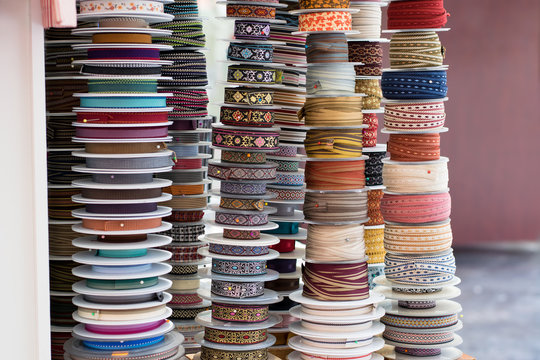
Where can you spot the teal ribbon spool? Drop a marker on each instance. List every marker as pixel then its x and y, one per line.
pixel 130 253
pixel 122 86
pixel 123 102
pixel 284 228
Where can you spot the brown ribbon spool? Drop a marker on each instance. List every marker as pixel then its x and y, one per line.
pixel 121 38
pixel 127 148
pixel 121 225
pixel 127 194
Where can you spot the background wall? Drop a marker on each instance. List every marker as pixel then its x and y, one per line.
pixel 494 139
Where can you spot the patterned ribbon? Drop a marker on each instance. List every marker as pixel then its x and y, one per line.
pixel 246 96
pixel 244 29
pixel 417 352
pixel 421 178
pixel 372 89
pixel 186 33
pixel 241 234
pixel 120 69
pixel 330 207
pixel 330 79
pixel 185 216
pixel 213 354
pixel 239 313
pixel 375 251
pixel 243 189
pixel 414 147
pixel 420 269
pixel 187 8
pixel 414 84
pixel 370 54
pixel 428 304
pixel 418 339
pixel 246 117
pixel 187 103
pixel 245 139
pixel 251 11
pixel 187 314
pixel 181 202
pixel 284 165
pixel 241 204
pixel 325 21
pixel 289 179
pixel 342 143
pixel 238 250
pixel 178 190
pixel 332 111
pixel 415 209
pixel 243 157
pixel 237 290
pixel 245 337
pixel 417 239
pixel 374 208
pixel 238 267
pixel 254 75
pixel 374 169
pixel 188 69
pixel 185 299
pixel 250 52
pixel 414 322
pixel 287 194
pixel 369 134
pixel 335 282
pixel 342 175
pixel 367 21
pixel 287 151
pixel 241 219
pixel 335 242
pixel 322 4
pixel 327 48
pixel 414 116
pixel 241 173
pixel 112 6
pixel 184 253
pixel 417 14
pixel 184 269
pixel 415 50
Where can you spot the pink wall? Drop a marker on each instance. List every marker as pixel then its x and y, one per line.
pixel 493 143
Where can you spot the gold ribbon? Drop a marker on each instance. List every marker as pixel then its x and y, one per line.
pixel 121 38
pixel 241 204
pixel 235 337
pixel 340 143
pixel 332 111
pixel 372 89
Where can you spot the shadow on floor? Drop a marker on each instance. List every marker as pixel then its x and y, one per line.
pixel 500 295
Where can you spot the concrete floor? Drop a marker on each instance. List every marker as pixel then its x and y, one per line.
pixel 501 303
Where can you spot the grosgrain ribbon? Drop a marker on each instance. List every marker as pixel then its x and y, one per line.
pixel 123 102
pixel 328 207
pixel 417 14
pixel 124 148
pixel 121 225
pixel 158 131
pixel 332 282
pixel 122 86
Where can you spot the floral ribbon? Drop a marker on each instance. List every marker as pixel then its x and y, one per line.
pixel 244 96
pixel 245 139
pixel 241 173
pixel 241 219
pixel 246 117
pixel 241 313
pixel 325 21
pixel 245 29
pixel 254 75
pixel 241 204
pixel 251 11
pixel 238 267
pixel 243 157
pixel 250 52
pixel 237 290
pixel 235 337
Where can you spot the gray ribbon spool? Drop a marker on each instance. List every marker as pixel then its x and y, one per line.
pixel 186 138
pixel 134 163
pixel 183 177
pixel 122 178
pixel 284 209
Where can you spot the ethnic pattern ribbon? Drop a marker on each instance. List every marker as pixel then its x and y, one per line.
pixel 243 189
pixel 414 322
pixel 335 282
pixel 244 29
pixel 241 204
pixel 185 216
pixel 417 352
pixel 244 96
pixel 342 143
pixel 241 234
pixel 237 290
pixel 414 116
pixel 416 209
pixel 240 313
pixel 374 168
pixel 417 14
pixel 238 267
pixel 243 157
pixel 185 299
pixel 420 269
pixel 374 208
pixel 184 253
pixel 245 139
pixel 417 239
pixel 238 250
pixel 235 337
pixel 246 117
pixel 288 166
pixel 370 54
pixel 373 239
pixel 287 194
pixel 414 84
pixel 216 354
pixel 184 269
pixel 241 219
pixel 325 21
pixel 289 179
pixel 250 52
pixel 241 173
pixel 251 11
pixel 188 233
pixel 369 134
pixel 323 4
pixel 254 75
pixel 186 314
pixel 418 339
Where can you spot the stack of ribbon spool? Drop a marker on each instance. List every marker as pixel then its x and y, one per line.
pixel 190 124
pixel 338 313
pixel 61 81
pixel 289 195
pixel 122 122
pixel 237 325
pixel 419 279
pixel 289 50
pixel 365 47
